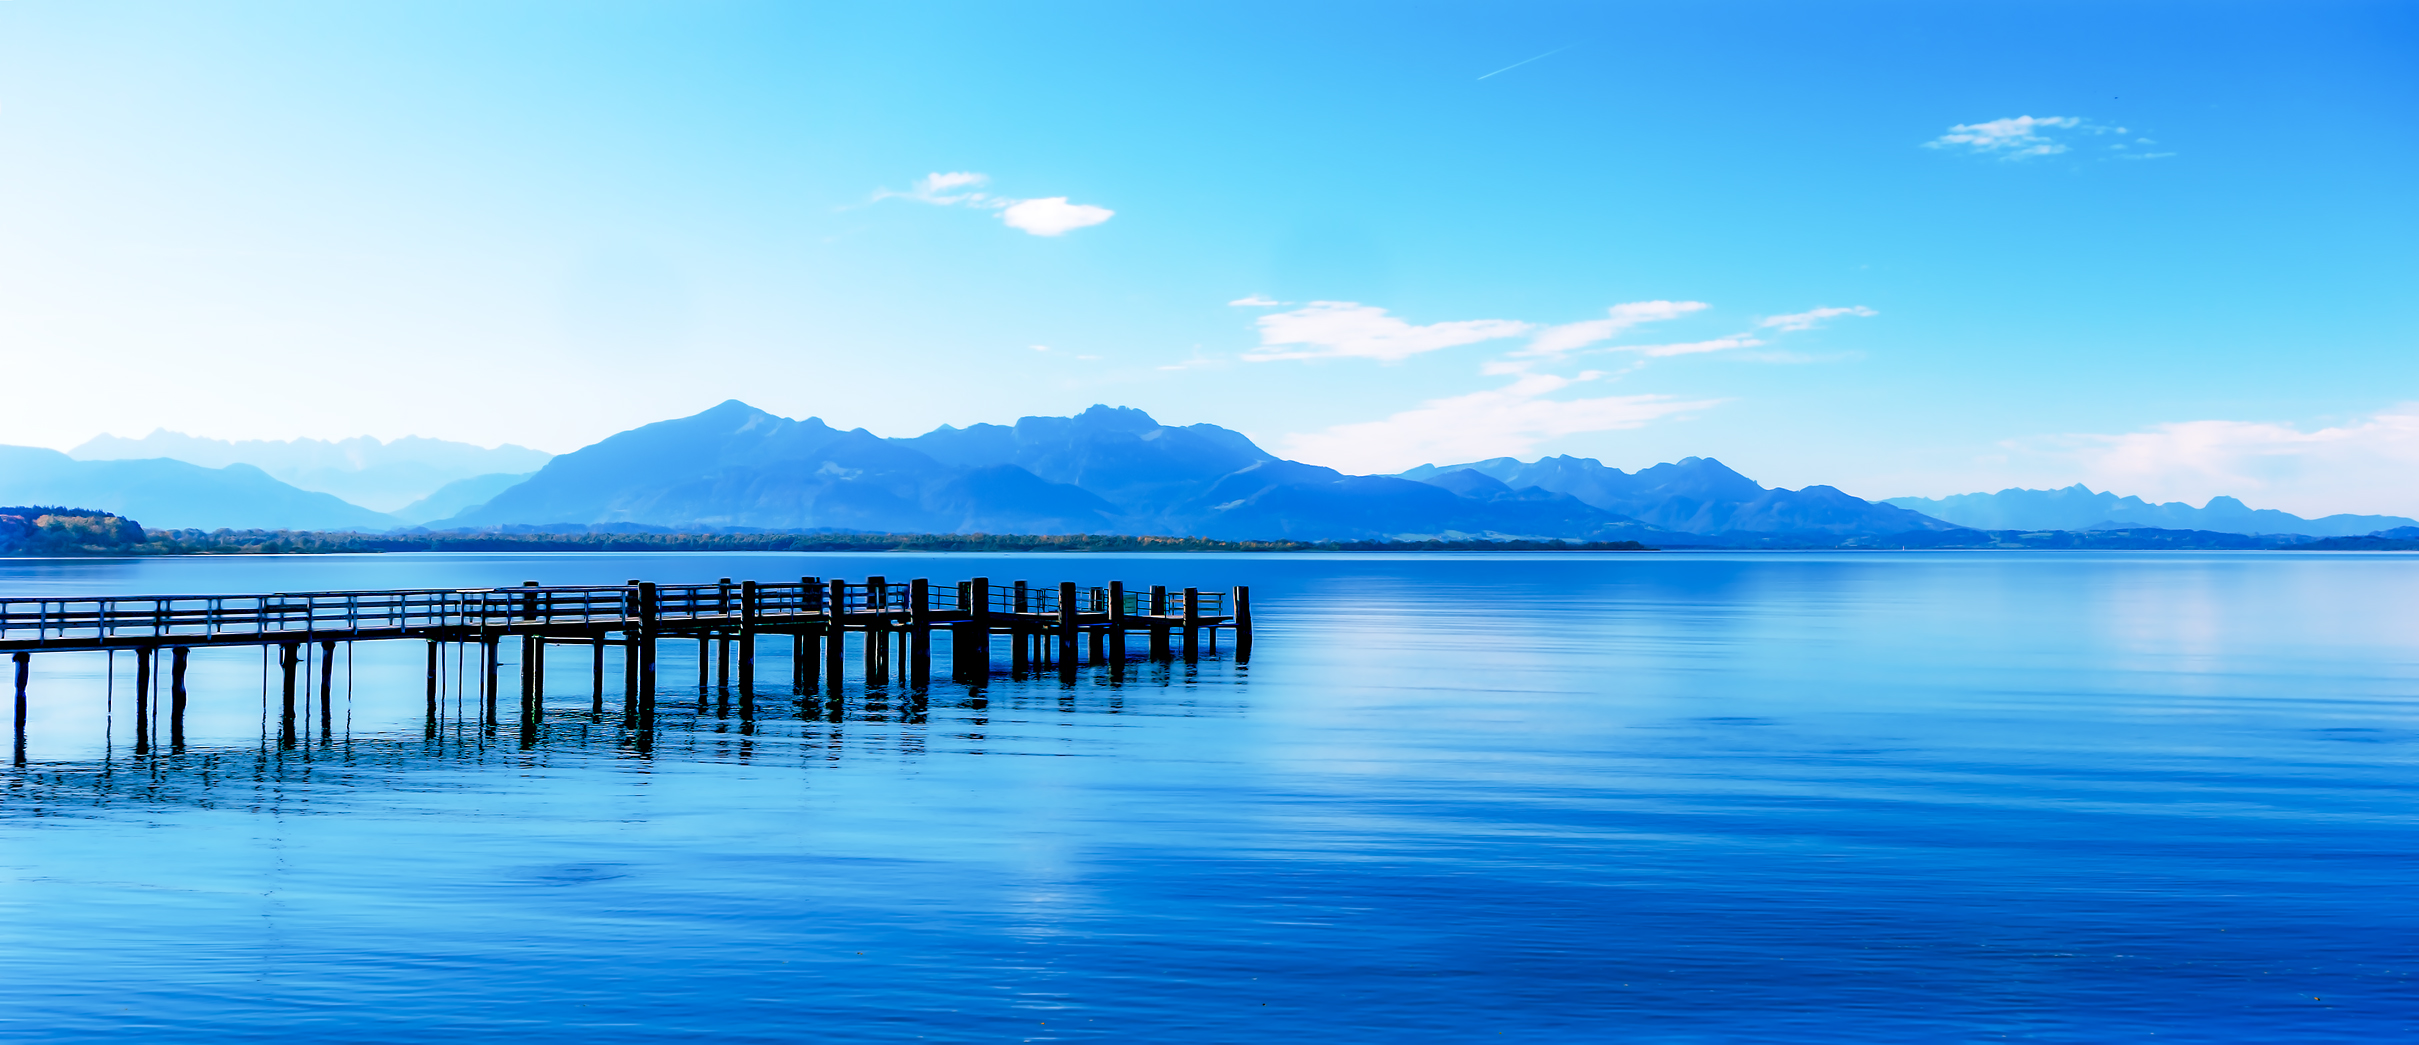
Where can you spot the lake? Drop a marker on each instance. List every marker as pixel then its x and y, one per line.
pixel 1672 797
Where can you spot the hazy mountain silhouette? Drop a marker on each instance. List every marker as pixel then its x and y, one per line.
pixel 165 494
pixel 2078 508
pixel 460 495
pixel 385 476
pixel 1696 495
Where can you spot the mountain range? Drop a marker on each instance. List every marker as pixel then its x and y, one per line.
pixel 2078 508
pixel 735 468
pixel 161 493
pixel 1108 469
pixel 382 476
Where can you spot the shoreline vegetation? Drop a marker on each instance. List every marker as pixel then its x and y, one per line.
pixel 52 532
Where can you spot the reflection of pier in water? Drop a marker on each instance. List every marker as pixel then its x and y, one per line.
pixel 1005 714
pixel 897 624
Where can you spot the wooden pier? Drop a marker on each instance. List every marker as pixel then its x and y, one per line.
pixel 1061 628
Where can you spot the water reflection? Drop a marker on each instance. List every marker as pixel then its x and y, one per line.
pixel 1036 713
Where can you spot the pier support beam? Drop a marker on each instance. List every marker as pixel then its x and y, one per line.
pixel 1192 622
pixel 288 655
pixel 835 635
pixel 1068 647
pixel 919 633
pixel 176 698
pixel 432 687
pixel 327 689
pixel 1100 635
pixel 142 701
pixel 24 663
pixel 1117 625
pixel 596 695
pixel 749 611
pixel 970 648
pixel 1242 614
pixel 644 719
pixel 1159 623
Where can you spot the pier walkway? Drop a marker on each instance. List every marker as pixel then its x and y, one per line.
pixel 1061 627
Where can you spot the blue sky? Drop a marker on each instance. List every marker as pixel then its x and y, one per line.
pixel 1819 242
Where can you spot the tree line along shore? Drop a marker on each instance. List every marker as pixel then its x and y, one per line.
pixel 57 531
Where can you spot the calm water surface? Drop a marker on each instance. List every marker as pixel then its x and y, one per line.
pixel 1865 797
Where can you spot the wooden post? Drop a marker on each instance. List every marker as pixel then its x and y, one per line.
pixel 1192 621
pixel 1117 625
pixel 1159 623
pixel 176 698
pixel 432 687
pixel 919 632
pixel 877 631
pixel 327 689
pixel 722 635
pixel 1021 658
pixel 288 655
pixel 1069 651
pixel 748 614
pixel 596 698
pixel 835 635
pixel 1242 612
pixel 491 661
pixel 705 662
pixel 970 655
pixel 142 701
pixel 810 600
pixel 1100 635
pixel 645 641
pixel 529 665
pixel 24 664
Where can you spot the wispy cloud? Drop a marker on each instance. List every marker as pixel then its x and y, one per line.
pixel 2029 137
pixel 1257 301
pixel 1508 421
pixel 1570 337
pixel 1516 417
pixel 1349 329
pixel 1811 318
pixel 2009 137
pixel 1042 216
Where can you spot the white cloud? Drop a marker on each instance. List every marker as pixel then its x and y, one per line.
pixel 1053 216
pixel 1811 318
pixel 2364 466
pixel 1349 329
pixel 1557 340
pixel 1508 421
pixel 2009 138
pixel 938 188
pixel 2025 137
pixel 1257 301
pixel 1690 348
pixel 1045 216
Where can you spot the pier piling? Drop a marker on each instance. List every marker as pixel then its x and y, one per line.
pixel 142 701
pixel 176 697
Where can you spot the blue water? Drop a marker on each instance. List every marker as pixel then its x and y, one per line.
pixel 1759 797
